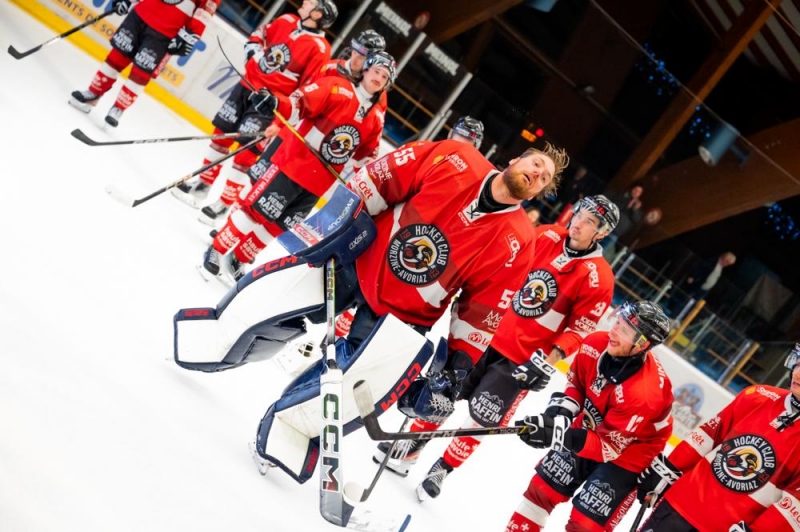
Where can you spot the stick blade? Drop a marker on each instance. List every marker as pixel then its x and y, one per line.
pixel 83 137
pixel 16 54
pixel 369 521
pixel 120 196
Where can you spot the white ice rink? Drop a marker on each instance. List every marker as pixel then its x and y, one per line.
pixel 99 429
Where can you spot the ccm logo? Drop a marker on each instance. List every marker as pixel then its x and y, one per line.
pixel 401 387
pixel 273 265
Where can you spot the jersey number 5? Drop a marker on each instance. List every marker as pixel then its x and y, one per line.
pixel 403 156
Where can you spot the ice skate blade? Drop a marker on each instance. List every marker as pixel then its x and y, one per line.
pixel 81 106
pixel 187 199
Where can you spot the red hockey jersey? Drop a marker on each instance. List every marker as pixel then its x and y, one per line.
pixel 292 54
pixel 334 122
pixel 559 303
pixel 741 466
pixel 167 18
pixel 628 423
pixel 432 241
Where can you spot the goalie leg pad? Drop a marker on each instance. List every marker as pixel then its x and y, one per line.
pixel 389 359
pixel 253 321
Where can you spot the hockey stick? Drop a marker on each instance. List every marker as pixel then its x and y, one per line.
pixel 83 137
pixel 16 54
pixel 366 407
pixel 125 199
pixel 285 122
pixel 355 491
pixel 649 501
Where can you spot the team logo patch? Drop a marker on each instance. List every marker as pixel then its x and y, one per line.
pixel 339 144
pixel 744 464
pixel 537 295
pixel 276 59
pixel 418 254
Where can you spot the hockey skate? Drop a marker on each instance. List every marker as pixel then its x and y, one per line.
pixel 84 100
pixel 211 214
pixel 191 194
pixel 431 485
pixel 209 269
pixel 404 455
pixel 113 116
pixel 231 269
pixel 262 464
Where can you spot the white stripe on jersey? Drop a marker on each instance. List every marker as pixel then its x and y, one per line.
pixel 789 510
pixel 462 330
pixel 315 137
pixel 551 320
pixel 187 7
pixel 767 495
pixel 700 442
pixel 433 294
pixel 365 188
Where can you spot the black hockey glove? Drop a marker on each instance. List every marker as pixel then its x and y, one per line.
pixel 544 431
pixel 741 526
pixel 656 479
pixel 431 398
pixel 251 49
pixel 534 374
pixel 183 43
pixel 561 404
pixel 264 102
pixel 121 7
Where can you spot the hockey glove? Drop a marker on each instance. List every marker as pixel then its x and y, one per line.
pixel 657 478
pixel 431 398
pixel 264 102
pixel 534 374
pixel 741 526
pixel 183 43
pixel 544 431
pixel 561 404
pixel 121 7
pixel 251 49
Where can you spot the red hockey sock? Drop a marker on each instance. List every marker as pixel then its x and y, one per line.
pixel 216 149
pixel 459 450
pixel 247 250
pixel 236 180
pixel 228 237
pixel 103 79
pixel 520 522
pixel 128 94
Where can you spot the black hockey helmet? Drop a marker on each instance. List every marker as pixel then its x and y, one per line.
pixel 470 128
pixel 648 319
pixel 602 207
pixel 367 42
pixel 329 13
pixel 385 60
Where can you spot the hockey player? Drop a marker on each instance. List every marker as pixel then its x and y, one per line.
pixel 438 209
pixel 280 54
pixel 739 468
pixel 618 401
pixel 152 30
pixel 365 43
pixel 338 117
pixel 468 128
pixel 567 290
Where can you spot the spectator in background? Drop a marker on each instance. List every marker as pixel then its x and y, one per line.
pixel 703 276
pixel 630 217
pixel 575 188
pixel 534 215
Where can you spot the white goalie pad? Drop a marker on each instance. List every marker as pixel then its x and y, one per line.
pixel 389 359
pixel 246 324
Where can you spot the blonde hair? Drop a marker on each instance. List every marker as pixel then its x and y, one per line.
pixel 560 162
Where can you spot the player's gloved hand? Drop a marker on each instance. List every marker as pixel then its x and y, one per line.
pixel 544 431
pixel 251 49
pixel 656 479
pixel 561 404
pixel 183 43
pixel 534 374
pixel 431 398
pixel 264 102
pixel 121 7
pixel 741 526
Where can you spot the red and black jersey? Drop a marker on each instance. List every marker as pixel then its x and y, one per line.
pixel 168 18
pixel 335 121
pixel 628 423
pixel 292 53
pixel 432 241
pixel 560 302
pixel 739 466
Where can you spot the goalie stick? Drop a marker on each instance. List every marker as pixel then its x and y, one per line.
pixel 125 199
pixel 83 137
pixel 366 407
pixel 16 54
